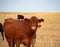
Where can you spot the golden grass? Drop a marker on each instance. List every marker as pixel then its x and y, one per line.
pixel 49 33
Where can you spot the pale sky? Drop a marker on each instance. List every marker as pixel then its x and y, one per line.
pixel 29 5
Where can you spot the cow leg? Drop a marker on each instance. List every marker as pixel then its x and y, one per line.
pixel 28 45
pixel 2 35
pixel 17 43
pixel 10 42
pixel 33 43
pixel 13 44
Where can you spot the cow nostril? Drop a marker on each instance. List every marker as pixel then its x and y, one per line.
pixel 33 28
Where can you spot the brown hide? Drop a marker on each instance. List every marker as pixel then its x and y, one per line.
pixel 20 32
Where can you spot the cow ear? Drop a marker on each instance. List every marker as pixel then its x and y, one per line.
pixel 39 26
pixel 40 20
pixel 26 19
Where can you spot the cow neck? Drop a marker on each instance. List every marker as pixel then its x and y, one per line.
pixel 31 33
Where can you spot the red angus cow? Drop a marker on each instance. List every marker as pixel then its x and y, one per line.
pixel 21 32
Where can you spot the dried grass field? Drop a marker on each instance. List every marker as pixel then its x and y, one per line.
pixel 49 33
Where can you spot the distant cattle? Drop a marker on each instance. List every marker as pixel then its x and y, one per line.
pixel 1 30
pixel 21 32
pixel 20 17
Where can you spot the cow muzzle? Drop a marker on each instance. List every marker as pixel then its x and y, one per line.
pixel 33 28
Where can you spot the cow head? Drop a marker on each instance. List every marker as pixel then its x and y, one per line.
pixel 33 22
